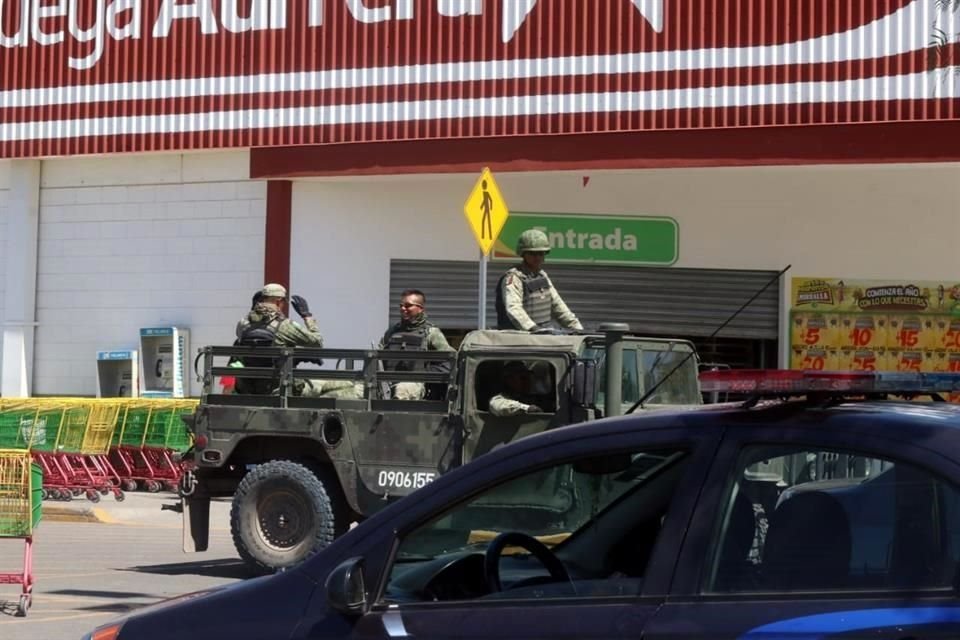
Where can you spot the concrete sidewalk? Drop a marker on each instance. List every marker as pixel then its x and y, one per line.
pixel 138 509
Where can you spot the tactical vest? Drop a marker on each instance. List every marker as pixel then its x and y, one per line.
pixel 407 340
pixel 536 300
pixel 261 334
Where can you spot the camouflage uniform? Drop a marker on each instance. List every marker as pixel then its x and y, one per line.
pixel 345 389
pixel 419 334
pixel 504 405
pixel 287 332
pixel 527 300
pixel 264 321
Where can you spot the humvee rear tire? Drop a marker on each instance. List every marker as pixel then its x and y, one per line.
pixel 280 515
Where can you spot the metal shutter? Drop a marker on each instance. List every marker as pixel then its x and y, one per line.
pixel 654 301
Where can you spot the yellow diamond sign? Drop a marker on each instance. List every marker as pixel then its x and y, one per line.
pixel 486 211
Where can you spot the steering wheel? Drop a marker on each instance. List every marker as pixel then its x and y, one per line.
pixel 491 559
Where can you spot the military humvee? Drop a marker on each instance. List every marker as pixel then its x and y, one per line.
pixel 302 469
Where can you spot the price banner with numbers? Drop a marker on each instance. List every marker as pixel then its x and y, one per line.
pixel 874 325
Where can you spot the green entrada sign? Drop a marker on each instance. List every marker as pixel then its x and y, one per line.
pixel 620 240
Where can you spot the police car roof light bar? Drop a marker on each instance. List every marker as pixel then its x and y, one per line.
pixel 779 382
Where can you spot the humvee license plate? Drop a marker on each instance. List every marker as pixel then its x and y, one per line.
pixel 398 479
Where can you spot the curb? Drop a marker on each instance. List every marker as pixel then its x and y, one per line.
pixel 58 513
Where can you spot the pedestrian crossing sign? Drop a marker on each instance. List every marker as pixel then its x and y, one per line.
pixel 486 211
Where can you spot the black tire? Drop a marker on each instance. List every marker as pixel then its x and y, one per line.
pixel 271 497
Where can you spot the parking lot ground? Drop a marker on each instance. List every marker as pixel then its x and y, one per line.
pixel 90 570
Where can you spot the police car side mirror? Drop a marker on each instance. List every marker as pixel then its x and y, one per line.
pixel 346 591
pixel 583 390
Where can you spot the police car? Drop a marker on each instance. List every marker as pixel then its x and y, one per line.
pixel 818 506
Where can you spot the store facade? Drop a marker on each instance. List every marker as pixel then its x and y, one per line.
pixel 165 158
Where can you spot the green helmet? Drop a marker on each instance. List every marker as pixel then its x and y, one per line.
pixel 533 240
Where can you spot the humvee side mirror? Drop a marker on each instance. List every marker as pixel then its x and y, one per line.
pixel 346 590
pixel 583 392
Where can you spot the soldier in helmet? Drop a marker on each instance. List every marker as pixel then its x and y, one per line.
pixel 267 326
pixel 413 331
pixel 526 298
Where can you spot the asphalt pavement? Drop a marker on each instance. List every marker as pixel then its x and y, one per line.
pixel 95 562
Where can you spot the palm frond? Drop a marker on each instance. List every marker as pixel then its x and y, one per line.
pixel 948 5
pixel 937 46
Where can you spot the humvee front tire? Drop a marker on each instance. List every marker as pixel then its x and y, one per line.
pixel 281 513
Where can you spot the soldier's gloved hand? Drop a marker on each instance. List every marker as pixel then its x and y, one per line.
pixel 300 305
pixel 532 408
pixel 543 331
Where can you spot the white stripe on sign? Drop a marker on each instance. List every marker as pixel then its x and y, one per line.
pixel 916 86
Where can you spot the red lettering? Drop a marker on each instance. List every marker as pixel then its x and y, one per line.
pixel 861 337
pixel 908 337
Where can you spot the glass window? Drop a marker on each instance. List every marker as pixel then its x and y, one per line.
pixel 531 381
pixel 681 387
pixel 629 375
pixel 583 528
pixel 652 361
pixel 805 519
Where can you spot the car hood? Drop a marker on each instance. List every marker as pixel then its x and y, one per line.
pixel 260 607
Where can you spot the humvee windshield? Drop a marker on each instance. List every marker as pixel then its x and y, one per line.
pixel 645 365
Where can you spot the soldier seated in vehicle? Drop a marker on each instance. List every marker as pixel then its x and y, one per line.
pixel 414 332
pixel 266 325
pixel 521 393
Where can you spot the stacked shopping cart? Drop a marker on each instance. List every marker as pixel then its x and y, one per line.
pixel 70 440
pixel 21 482
pixel 96 447
pixel 149 435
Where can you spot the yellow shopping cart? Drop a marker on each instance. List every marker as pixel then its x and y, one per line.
pixel 21 498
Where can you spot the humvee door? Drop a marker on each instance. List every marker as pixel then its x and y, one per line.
pixel 483 378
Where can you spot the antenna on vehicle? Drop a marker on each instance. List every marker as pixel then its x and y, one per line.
pixel 653 389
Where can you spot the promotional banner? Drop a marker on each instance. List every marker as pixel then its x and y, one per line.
pixel 875 325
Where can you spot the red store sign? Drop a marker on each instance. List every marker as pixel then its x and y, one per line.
pixel 95 76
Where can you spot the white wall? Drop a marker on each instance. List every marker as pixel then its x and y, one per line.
pixel 887 221
pixel 4 192
pixel 345 233
pixel 136 241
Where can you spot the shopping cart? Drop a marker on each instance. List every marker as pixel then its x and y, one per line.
pixel 150 432
pixel 34 424
pixel 21 486
pixel 88 427
pixel 69 438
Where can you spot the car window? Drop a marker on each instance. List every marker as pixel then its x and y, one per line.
pixel 629 375
pixel 539 382
pixel 681 386
pixel 647 366
pixel 808 519
pixel 597 520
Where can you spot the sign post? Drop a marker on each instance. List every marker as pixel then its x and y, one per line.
pixel 486 213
